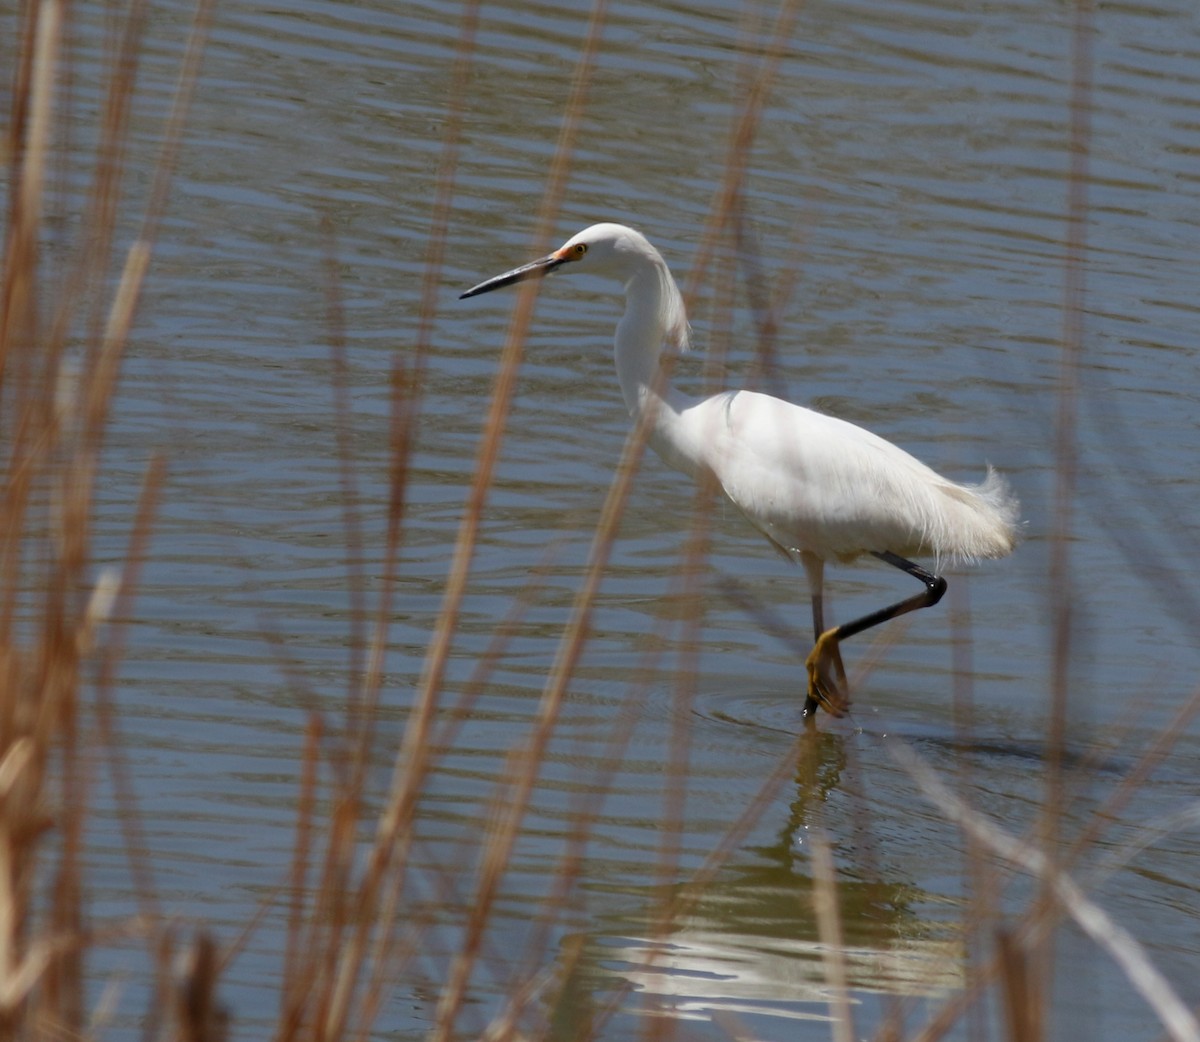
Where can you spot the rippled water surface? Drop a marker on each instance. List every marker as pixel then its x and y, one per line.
pixel 904 207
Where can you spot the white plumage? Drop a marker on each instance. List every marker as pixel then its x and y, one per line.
pixel 819 488
pixel 813 483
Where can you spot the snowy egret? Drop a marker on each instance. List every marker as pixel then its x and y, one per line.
pixel 820 489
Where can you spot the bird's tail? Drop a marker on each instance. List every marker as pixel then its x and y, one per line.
pixel 986 524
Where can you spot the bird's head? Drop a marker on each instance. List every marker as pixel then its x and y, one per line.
pixel 617 252
pixel 602 249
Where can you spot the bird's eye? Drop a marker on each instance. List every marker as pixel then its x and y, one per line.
pixel 580 249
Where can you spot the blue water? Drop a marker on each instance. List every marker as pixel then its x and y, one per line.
pixel 904 203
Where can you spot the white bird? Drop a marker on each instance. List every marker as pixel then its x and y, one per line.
pixel 820 489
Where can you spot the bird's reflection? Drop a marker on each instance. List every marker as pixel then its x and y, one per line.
pixel 746 940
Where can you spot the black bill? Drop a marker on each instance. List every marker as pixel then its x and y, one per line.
pixel 535 269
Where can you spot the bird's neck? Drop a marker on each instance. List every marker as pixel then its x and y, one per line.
pixel 652 306
pixel 654 315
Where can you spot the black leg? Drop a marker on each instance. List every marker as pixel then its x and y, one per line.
pixel 935 586
pixel 826 653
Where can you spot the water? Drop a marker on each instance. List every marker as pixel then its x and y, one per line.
pixel 910 173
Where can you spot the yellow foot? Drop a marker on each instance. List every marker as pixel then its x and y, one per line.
pixel 826 677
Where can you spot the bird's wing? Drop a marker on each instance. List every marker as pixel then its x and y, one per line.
pixel 815 483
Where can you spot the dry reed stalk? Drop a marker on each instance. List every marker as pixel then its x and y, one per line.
pixel 981 912
pixel 693 557
pixel 199 1013
pixel 344 915
pixel 524 768
pixel 332 997
pixel 1177 1019
pixel 56 623
pixel 524 765
pixel 320 923
pixel 1129 786
pixel 109 655
pixel 377 896
pixel 690 891
pixel 586 810
pixel 829 931
pixel 395 954
pixel 32 130
pixel 725 213
pixel 38 956
pixel 1061 584
pixel 1038 921
pixel 363 688
pixel 1026 1001
pixel 298 977
pixel 743 129
pixel 1023 962
pixel 1023 1001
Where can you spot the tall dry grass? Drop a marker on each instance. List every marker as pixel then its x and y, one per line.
pixel 353 930
pixel 65 320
